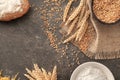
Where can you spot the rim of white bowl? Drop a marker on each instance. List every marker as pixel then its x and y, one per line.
pixel 105 69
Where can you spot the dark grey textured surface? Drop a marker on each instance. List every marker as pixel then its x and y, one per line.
pixel 23 42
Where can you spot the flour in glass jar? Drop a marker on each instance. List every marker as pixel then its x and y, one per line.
pixel 91 73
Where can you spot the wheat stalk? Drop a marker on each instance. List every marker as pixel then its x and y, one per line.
pixel 75 13
pixel 77 21
pixel 8 77
pixel 41 74
pixel 67 10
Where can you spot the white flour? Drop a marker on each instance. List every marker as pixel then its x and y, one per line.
pixel 9 6
pixel 91 73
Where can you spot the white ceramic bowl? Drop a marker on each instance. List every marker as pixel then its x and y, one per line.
pixel 107 72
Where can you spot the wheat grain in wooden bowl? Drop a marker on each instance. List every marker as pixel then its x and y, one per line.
pixel 107 11
pixel 12 9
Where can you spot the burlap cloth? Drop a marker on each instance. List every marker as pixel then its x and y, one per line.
pixel 101 41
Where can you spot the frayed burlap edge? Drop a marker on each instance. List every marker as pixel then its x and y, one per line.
pixel 103 55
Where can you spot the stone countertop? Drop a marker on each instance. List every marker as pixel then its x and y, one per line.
pixel 23 42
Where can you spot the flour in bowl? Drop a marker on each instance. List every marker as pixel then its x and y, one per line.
pixel 91 73
pixel 9 6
